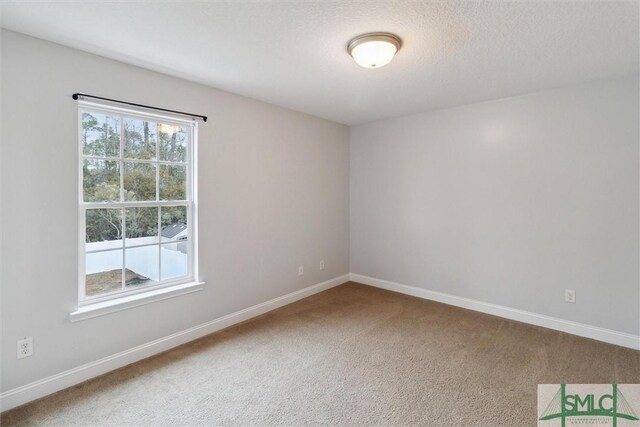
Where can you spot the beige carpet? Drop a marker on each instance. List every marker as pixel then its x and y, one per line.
pixel 353 355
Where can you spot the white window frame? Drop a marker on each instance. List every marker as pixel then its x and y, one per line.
pixel 190 202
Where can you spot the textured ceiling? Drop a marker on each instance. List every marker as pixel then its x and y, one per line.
pixel 293 53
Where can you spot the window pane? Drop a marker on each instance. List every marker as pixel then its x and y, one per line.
pixel 173 259
pixel 139 139
pixel 174 223
pixel 134 159
pixel 103 229
pixel 142 266
pixel 100 135
pixel 139 181
pixel 103 272
pixel 173 182
pixel 142 226
pixel 101 180
pixel 173 142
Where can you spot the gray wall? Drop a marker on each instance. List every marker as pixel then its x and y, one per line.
pixel 507 202
pixel 274 194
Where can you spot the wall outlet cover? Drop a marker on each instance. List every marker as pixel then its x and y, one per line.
pixel 25 347
pixel 570 296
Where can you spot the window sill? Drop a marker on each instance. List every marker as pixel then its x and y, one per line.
pixel 118 304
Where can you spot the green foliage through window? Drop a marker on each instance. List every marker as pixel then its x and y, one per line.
pixel 134 178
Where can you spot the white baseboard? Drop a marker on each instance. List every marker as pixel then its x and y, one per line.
pixel 580 329
pixel 37 389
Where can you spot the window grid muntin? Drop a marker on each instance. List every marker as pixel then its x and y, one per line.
pixel 126 159
pixel 188 202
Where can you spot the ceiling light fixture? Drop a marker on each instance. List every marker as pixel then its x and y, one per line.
pixel 374 50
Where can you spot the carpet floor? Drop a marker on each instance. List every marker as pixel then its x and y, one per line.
pixel 352 355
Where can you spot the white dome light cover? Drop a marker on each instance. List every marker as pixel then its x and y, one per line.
pixel 374 50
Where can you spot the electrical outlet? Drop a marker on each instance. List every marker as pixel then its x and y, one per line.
pixel 570 296
pixel 300 271
pixel 25 347
pixel 322 264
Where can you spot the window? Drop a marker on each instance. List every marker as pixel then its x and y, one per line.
pixel 136 209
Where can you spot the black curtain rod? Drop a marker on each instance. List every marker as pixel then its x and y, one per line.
pixel 84 95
